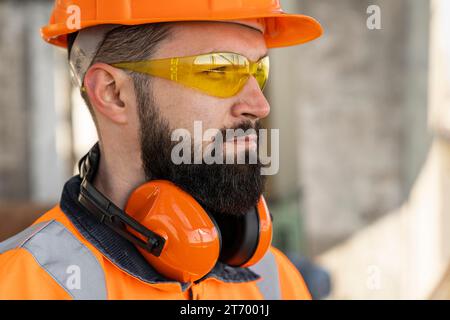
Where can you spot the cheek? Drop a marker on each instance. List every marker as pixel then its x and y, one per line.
pixel 131 132
pixel 182 106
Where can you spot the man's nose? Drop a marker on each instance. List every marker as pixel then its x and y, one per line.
pixel 251 102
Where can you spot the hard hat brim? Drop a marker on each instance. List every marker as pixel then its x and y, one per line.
pixel 282 29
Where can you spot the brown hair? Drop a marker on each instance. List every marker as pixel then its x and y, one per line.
pixel 129 43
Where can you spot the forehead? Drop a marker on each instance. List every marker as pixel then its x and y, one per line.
pixel 192 38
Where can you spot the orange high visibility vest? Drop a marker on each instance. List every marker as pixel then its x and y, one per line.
pixel 65 255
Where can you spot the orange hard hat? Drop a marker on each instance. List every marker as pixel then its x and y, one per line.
pixel 281 29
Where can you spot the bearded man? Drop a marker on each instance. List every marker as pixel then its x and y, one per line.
pixel 137 223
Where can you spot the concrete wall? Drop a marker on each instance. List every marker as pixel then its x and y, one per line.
pixel 35 141
pixel 355 104
pixel 14 147
pixel 406 254
pixel 35 138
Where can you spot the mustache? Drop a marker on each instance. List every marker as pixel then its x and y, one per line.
pixel 239 130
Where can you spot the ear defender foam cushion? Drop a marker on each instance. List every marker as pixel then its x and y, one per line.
pixel 193 242
pixel 240 234
pixel 246 238
pixel 265 233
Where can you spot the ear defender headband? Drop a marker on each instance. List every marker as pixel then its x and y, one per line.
pixel 179 238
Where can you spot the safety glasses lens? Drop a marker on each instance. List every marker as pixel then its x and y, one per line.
pixel 221 74
pixel 217 74
pixel 262 72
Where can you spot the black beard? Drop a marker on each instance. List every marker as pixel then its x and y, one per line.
pixel 230 189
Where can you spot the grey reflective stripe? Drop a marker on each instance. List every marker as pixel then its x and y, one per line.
pixel 267 268
pixel 19 239
pixel 67 261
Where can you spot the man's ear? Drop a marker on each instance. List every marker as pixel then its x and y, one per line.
pixel 106 88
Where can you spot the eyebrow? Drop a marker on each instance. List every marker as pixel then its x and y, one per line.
pixel 263 56
pixel 224 51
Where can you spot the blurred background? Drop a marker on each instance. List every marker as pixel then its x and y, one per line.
pixel 361 203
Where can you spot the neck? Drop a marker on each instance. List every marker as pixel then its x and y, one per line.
pixel 118 175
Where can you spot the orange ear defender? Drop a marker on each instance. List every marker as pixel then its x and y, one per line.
pixel 179 238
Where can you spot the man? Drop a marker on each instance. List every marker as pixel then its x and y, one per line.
pixel 147 69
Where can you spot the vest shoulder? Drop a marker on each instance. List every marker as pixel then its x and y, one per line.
pixel 54 218
pixel 21 275
pixel 21 239
pixel 57 252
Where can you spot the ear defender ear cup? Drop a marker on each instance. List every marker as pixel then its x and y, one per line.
pixel 245 238
pixel 193 241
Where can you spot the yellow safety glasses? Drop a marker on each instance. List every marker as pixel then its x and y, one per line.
pixel 221 75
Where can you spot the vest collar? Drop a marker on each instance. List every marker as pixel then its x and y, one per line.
pixel 123 253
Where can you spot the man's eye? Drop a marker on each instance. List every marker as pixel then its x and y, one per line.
pixel 216 70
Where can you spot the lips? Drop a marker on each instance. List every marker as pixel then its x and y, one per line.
pixel 246 142
pixel 243 138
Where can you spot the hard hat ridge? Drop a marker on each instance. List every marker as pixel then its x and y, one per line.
pixel 281 30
